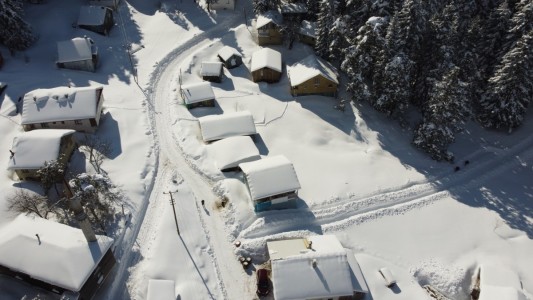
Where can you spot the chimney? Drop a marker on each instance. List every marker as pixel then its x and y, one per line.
pixel 80 215
pixel 314 263
pixel 310 245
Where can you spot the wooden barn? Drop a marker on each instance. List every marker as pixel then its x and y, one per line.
pixel 230 57
pixel 63 108
pixel 266 65
pixel 228 153
pixel 268 27
pixel 211 71
pixel 30 150
pixel 313 76
pixel 77 54
pixel 307 33
pixel 198 95
pixel 97 19
pixel 55 258
pixel 217 127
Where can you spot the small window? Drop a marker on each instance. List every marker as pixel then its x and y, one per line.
pixel 330 85
pixel 317 81
pixel 45 125
pixel 78 122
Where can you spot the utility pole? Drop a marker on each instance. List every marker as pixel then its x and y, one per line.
pixel 172 202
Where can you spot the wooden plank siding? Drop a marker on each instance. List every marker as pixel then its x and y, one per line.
pixel 269 35
pixel 318 85
pixel 266 74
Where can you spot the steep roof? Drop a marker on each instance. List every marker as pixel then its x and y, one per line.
pixel 197 92
pixel 215 127
pixel 270 176
pixel 92 15
pixel 226 52
pixel 75 49
pixel 232 151
pixel 498 282
pixel 210 68
pixel 270 16
pixel 35 147
pixel 63 257
pixel 308 28
pixel 60 104
pixel 310 67
pixel 266 58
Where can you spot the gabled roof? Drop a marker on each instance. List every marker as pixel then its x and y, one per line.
pixel 270 16
pixel 266 58
pixel 293 7
pixel 63 257
pixel 310 67
pixel 33 148
pixel 295 277
pixel 197 92
pixel 270 176
pixel 92 15
pixel 216 127
pixel 226 52
pixel 210 68
pixel 308 28
pixel 232 151
pixel 74 50
pixel 60 104
pixel 498 282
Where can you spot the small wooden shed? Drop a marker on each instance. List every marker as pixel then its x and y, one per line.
pixel 268 27
pixel 77 54
pixel 307 33
pixel 97 19
pixel 230 57
pixel 313 76
pixel 211 71
pixel 266 65
pixel 198 95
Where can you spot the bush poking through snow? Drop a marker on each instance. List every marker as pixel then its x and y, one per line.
pixel 30 204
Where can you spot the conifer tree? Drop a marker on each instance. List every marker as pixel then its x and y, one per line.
pixel 324 23
pixel 15 33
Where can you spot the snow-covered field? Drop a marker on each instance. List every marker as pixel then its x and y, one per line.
pixel 361 178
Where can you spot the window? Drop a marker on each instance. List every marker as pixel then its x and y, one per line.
pixel 78 122
pixel 45 125
pixel 317 82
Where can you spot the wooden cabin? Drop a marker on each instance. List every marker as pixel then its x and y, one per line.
pixel 198 95
pixel 77 54
pixel 266 65
pixel 97 19
pixel 313 76
pixel 307 33
pixel 212 71
pixel 230 57
pixel 268 27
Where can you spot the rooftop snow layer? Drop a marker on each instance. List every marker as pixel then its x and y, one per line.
pixel 211 68
pixel 215 127
pixel 230 152
pixel 490 292
pixel 498 282
pixel 74 50
pixel 92 15
pixel 226 52
pixel 197 92
pixel 310 67
pixel 35 147
pixel 293 8
pixel 308 28
pixel 60 104
pixel 268 58
pixel 268 17
pixel 63 257
pixel 160 290
pixel 270 176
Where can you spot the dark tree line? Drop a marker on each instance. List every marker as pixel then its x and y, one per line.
pixel 15 33
pixel 452 61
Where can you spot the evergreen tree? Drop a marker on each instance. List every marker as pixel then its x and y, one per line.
pixel 260 6
pixel 324 24
pixel 51 173
pixel 494 31
pixel 312 9
pixel 510 89
pixel 395 86
pixel 15 33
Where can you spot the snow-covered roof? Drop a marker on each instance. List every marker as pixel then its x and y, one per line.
pixel 498 282
pixel 215 127
pixel 293 8
pixel 60 104
pixel 270 16
pixel 92 15
pixel 210 68
pixel 74 50
pixel 295 277
pixel 34 147
pixel 308 28
pixel 159 289
pixel 310 67
pixel 226 52
pixel 230 152
pixel 268 58
pixel 270 176
pixel 63 257
pixel 197 92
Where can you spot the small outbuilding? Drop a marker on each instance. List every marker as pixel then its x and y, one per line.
pixel 292 9
pixel 317 267
pixel 268 27
pixel 77 54
pixel 198 95
pixel 113 4
pixel 272 183
pixel 313 76
pixel 230 57
pixel 307 33
pixel 55 257
pixel 97 19
pixel 63 108
pixel 266 65
pixel 497 282
pixel 223 4
pixel 216 127
pixel 159 289
pixel 228 153
pixel 30 151
pixel 211 71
